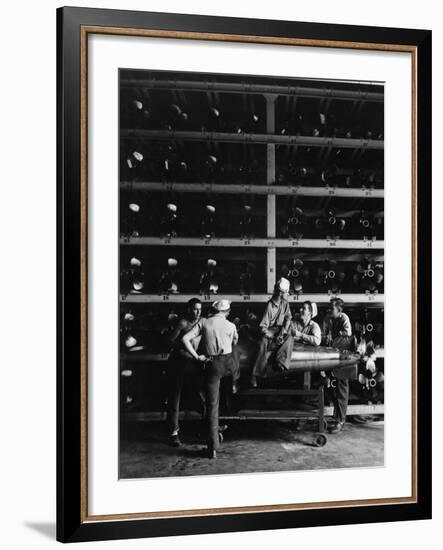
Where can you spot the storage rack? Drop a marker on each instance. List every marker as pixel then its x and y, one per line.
pixel 271 139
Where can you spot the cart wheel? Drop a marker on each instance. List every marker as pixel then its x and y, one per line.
pixel 320 440
pixel 220 437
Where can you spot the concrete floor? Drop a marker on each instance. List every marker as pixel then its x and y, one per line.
pixel 249 446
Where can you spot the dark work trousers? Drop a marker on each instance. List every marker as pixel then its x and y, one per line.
pixel 341 398
pixel 341 393
pixel 281 353
pixel 217 368
pixel 179 367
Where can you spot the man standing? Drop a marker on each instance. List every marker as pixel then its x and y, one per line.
pixel 338 330
pixel 181 364
pixel 218 336
pixel 303 329
pixel 275 327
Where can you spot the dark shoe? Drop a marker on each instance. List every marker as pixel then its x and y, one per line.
pixel 337 428
pixel 212 453
pixel 174 441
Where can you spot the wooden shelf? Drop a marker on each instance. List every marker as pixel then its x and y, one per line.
pixel 264 139
pixel 236 189
pixel 365 299
pixel 252 88
pixel 333 244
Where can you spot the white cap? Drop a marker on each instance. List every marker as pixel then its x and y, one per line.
pixel 172 262
pixel 222 305
pixel 283 284
pixel 172 207
pixel 212 262
pixel 210 208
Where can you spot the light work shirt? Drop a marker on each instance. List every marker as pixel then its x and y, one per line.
pixel 276 314
pixel 311 332
pixel 341 326
pixel 217 335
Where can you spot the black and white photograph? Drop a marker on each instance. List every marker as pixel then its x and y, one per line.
pixel 251 269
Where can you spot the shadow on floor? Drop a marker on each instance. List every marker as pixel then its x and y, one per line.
pixel 46 529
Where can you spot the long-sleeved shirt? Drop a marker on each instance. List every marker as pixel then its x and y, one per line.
pixel 311 333
pixel 218 335
pixel 338 326
pixel 276 314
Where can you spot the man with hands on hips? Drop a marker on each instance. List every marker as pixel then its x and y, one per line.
pixel 218 336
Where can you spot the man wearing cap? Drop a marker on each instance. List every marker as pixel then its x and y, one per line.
pixel 303 328
pixel 218 336
pixel 338 330
pixel 275 328
pixel 181 364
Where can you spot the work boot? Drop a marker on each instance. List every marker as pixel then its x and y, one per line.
pixel 337 428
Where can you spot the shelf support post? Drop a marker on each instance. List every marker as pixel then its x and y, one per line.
pixel 270 180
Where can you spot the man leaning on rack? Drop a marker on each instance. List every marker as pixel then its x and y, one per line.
pixel 218 336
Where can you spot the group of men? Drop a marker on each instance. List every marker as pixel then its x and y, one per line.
pixel 205 348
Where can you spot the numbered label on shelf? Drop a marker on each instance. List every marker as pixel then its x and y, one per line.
pixel 331 242
pixel 246 297
pixel 296 242
pixel 165 297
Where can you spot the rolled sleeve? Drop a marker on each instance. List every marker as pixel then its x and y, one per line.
pixel 346 328
pixel 266 319
pixel 235 336
pixel 314 339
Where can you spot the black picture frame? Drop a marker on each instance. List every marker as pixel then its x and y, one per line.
pixel 72 526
